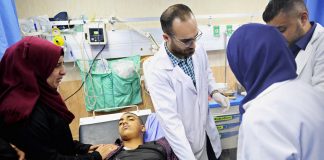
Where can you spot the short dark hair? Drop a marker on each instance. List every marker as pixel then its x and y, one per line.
pixel 175 11
pixel 139 118
pixel 274 7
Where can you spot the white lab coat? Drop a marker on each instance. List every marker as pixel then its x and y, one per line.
pixel 284 122
pixel 181 108
pixel 310 62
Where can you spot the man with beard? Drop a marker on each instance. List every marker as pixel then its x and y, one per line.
pixel 305 38
pixel 179 81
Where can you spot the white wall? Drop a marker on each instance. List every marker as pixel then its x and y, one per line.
pixel 133 8
pixel 143 8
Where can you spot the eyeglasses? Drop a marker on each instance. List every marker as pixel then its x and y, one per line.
pixel 188 42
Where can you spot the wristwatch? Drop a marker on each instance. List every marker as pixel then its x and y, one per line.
pixel 214 91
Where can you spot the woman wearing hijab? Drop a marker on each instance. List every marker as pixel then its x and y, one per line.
pixel 33 114
pixel 283 117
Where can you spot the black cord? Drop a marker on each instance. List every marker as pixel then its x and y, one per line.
pixel 86 75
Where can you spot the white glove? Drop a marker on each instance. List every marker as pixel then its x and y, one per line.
pixel 222 100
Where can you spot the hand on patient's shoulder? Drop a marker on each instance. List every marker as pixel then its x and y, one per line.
pixel 93 148
pixel 105 149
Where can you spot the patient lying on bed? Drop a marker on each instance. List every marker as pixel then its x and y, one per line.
pixel 131 130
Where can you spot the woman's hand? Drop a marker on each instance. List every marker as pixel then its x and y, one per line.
pixel 105 149
pixel 93 148
pixel 20 153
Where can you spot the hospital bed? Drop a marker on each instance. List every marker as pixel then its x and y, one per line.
pixel 103 129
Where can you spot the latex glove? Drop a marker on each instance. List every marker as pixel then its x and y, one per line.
pixel 222 100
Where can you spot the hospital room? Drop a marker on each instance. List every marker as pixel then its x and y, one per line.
pixel 161 80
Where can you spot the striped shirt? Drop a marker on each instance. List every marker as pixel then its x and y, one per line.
pixel 185 64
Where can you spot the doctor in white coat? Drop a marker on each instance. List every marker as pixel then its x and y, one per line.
pixel 306 39
pixel 283 117
pixel 179 80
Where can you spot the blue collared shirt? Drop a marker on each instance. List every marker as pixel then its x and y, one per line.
pixel 302 42
pixel 185 64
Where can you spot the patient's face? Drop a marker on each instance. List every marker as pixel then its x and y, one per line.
pixel 130 126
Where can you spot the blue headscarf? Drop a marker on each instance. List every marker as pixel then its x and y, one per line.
pixel 259 56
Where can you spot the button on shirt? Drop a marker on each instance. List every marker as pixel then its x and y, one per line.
pixel 302 42
pixel 185 64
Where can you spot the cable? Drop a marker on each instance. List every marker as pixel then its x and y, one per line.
pixel 86 75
